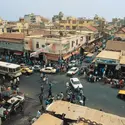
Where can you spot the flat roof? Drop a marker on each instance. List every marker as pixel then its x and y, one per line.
pixel 9 65
pixel 122 60
pixel 47 119
pixel 109 55
pixel 74 111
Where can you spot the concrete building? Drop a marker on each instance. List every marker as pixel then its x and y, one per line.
pixel 31 18
pixel 12 43
pixel 55 46
pixel 120 33
pixel 74 23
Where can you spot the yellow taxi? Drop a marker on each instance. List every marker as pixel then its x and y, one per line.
pixel 121 94
pixel 26 70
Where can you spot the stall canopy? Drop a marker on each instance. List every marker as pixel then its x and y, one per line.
pixel 109 55
pixel 73 112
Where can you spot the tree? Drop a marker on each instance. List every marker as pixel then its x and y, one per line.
pixel 60 15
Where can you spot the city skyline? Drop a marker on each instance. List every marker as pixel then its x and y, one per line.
pixel 12 10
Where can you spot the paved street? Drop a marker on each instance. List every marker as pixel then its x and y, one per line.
pixel 99 96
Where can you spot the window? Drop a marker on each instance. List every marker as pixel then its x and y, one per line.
pixel 77 42
pixel 11 70
pixel 17 69
pixel 81 38
pixel 37 45
pixel 43 46
pixel 74 21
pixel 3 68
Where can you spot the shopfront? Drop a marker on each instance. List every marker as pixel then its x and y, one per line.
pixel 108 64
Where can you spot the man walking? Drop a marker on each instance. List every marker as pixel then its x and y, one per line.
pixel 84 99
pixel 50 93
pixel 41 98
pixel 42 89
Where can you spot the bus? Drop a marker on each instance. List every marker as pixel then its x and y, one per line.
pixel 10 69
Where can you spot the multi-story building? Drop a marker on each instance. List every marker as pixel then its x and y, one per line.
pixel 120 33
pixel 54 47
pixel 12 43
pixel 31 18
pixel 75 23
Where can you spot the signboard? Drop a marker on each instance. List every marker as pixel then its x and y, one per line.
pixel 66 46
pixel 107 61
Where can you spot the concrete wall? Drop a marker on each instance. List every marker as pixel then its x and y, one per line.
pixel 57 46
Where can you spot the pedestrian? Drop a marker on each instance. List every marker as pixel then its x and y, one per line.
pixel 43 109
pixel 84 99
pixel 41 98
pixel 47 80
pixel 11 83
pixel 41 75
pixel 14 81
pixel 61 96
pixel 50 93
pixel 47 102
pixel 81 92
pixel 78 89
pixel 17 89
pixel 50 85
pixel 42 89
pixel 38 114
pixel 18 80
pixel 3 79
pixel 68 97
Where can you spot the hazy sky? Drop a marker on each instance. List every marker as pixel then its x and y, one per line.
pixel 13 9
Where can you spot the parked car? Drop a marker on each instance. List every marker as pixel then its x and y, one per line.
pixel 73 71
pixel 26 70
pixel 73 63
pixel 75 82
pixel 14 103
pixel 48 70
pixel 36 68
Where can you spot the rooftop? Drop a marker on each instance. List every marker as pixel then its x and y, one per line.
pixel 115 45
pixel 47 119
pixel 91 28
pixel 109 55
pixel 122 60
pixel 74 112
pixel 8 65
pixel 12 36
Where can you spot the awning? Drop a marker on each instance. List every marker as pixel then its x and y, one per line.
pixel 18 53
pixel 67 56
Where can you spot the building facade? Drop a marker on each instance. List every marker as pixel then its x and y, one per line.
pixel 55 46
pixel 11 43
pixel 31 18
pixel 74 23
